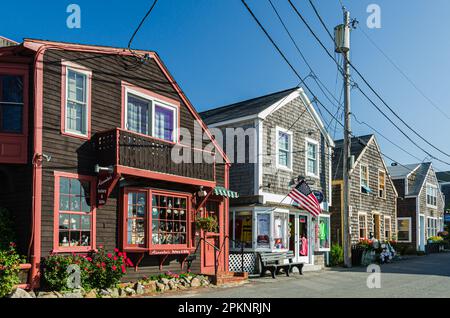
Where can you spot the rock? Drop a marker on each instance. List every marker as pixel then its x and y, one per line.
pixel 160 287
pixel 115 293
pixel 105 292
pixel 165 281
pixel 32 294
pixel 73 295
pixel 130 291
pixel 58 294
pixel 91 294
pixel 151 286
pixel 46 295
pixel 172 285
pixel 20 293
pixel 205 282
pixel 181 287
pixel 139 289
pixel 195 282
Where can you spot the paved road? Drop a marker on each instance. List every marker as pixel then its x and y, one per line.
pixel 426 276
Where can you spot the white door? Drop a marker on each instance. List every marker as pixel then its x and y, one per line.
pixel 299 242
pixel 422 233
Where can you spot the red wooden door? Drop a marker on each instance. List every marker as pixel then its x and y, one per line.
pixel 209 253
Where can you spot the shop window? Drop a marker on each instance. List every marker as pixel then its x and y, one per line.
pixel 74 212
pixel 263 230
pixel 381 184
pixel 76 103
pixel 280 226
pixel 243 229
pixel 148 115
pixel 136 218
pixel 169 220
pixel 323 237
pixel 11 104
pixel 362 224
pixel 404 229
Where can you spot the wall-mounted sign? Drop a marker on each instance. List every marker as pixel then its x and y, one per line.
pixel 106 181
pixel 166 252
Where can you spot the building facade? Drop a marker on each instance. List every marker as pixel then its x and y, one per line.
pixel 288 142
pixel 420 203
pixel 86 140
pixel 373 197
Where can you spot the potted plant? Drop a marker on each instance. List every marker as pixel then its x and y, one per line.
pixel 207 224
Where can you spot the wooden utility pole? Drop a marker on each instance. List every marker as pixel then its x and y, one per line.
pixel 342 39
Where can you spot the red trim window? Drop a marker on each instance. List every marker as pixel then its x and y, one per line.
pixel 13 113
pixel 74 212
pixel 156 220
pixel 75 100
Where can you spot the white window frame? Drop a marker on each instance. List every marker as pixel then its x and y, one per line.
pixel 315 143
pixel 85 72
pixel 409 230
pixel 154 102
pixel 365 225
pixel 279 130
pixel 320 249
pixel 386 217
pixel 432 186
pixel 379 184
pixel 433 229
pixel 360 178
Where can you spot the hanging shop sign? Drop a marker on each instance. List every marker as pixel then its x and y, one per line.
pixel 105 184
pixel 169 251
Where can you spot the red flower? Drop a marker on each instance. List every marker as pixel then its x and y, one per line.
pixel 12 244
pixel 120 254
pixel 103 264
pixel 89 259
pixel 109 255
pixel 114 267
pixel 124 270
pixel 129 263
pixel 115 258
pixel 124 254
pixel 116 250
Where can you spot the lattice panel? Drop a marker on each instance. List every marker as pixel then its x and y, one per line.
pixel 249 262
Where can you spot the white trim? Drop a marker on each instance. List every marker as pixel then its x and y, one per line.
pixel 317 144
pixel 430 185
pixel 153 103
pixel 360 177
pixel 279 130
pixel 384 191
pixel 366 225
pixel 234 121
pixel 258 178
pixel 76 68
pixel 409 231
pixel 387 217
pixel 330 177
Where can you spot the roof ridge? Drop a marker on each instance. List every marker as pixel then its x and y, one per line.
pixel 246 100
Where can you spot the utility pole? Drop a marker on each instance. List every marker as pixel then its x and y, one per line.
pixel 342 41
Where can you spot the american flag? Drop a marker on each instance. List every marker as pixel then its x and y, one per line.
pixel 303 195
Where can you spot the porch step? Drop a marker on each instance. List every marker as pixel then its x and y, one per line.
pixel 224 278
pixel 311 268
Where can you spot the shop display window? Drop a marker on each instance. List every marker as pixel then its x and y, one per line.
pixel 243 229
pixel 323 233
pixel 280 227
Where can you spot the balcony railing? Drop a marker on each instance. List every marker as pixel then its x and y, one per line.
pixel 128 149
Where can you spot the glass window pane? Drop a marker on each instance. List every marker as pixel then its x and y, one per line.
pixel 76 117
pixel 138 111
pixel 86 222
pixel 64 185
pixel 64 221
pixel 75 222
pixel 11 118
pixel 75 238
pixel 85 238
pixel 64 202
pixel 280 230
pixel 283 158
pixel 63 238
pixel 11 89
pixel 75 187
pixel 263 230
pixel 164 123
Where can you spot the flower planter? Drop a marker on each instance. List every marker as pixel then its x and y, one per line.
pixel 23 275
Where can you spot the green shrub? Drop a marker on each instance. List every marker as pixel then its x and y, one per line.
pixel 107 269
pixel 7 234
pixel 99 270
pixel 208 224
pixel 336 255
pixel 9 269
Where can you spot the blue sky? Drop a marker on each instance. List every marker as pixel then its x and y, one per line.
pixel 218 55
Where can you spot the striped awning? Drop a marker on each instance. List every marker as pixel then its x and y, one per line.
pixel 225 193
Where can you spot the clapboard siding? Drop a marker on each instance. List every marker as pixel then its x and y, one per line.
pixel 75 155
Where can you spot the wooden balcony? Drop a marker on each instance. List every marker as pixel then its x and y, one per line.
pixel 122 148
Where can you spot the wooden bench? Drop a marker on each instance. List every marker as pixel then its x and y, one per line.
pixel 299 265
pixel 273 262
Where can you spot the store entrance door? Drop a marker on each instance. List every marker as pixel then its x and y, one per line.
pixel 299 242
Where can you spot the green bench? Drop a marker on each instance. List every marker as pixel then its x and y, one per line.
pixel 276 261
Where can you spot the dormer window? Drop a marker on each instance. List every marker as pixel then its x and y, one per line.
pixel 431 196
pixel 365 180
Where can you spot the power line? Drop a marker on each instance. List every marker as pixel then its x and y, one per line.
pixel 375 92
pixel 417 88
pixel 141 23
pixel 321 20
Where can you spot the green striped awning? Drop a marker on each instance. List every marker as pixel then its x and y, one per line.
pixel 225 193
